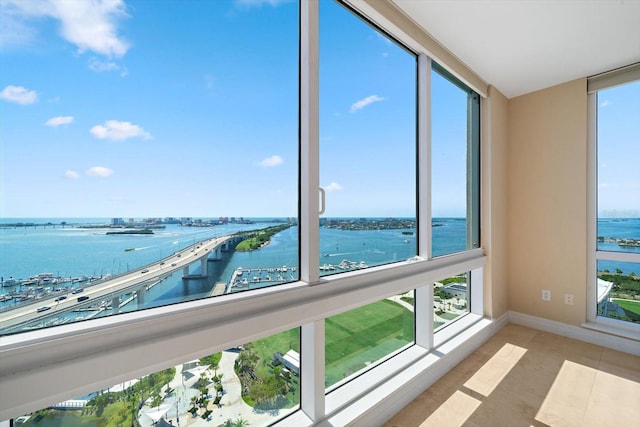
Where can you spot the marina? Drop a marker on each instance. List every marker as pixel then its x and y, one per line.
pixel 242 278
pixel 45 263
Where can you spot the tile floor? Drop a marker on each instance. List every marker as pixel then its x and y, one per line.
pixel 530 378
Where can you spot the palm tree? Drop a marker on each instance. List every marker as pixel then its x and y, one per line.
pixel 240 422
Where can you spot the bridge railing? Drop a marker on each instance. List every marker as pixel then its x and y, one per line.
pixel 51 294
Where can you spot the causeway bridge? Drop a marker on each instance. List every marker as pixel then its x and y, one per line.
pixel 134 281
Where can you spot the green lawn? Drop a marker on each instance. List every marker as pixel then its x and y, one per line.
pixel 62 418
pixel 631 308
pixel 364 335
pixel 353 339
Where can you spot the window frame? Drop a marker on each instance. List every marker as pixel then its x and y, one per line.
pixel 46 366
pixel 595 84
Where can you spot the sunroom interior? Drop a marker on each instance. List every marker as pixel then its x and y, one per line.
pixel 531 63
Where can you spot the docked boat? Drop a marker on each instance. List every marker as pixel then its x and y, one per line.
pixel 9 282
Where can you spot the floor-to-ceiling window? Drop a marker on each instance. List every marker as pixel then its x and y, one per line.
pixel 143 166
pixel 197 144
pixel 615 106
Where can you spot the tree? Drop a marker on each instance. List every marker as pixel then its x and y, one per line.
pixel 240 422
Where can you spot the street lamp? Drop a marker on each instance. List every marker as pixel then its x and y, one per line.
pixel 177 415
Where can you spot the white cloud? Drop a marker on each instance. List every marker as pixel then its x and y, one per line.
pixel 89 25
pixel 60 120
pixel 271 161
pixel 101 66
pixel 99 171
pixel 118 131
pixel 71 174
pixel 364 102
pixel 334 186
pixel 19 95
pixel 606 103
pixel 13 30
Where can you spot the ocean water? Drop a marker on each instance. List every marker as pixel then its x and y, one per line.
pixel 71 251
pixel 619 228
pixel 67 250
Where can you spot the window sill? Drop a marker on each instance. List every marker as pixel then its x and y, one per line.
pixel 379 393
pixel 615 327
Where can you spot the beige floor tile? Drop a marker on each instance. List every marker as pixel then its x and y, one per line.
pixel 555 381
pixel 513 334
pixel 504 409
pixel 455 411
pixel 614 401
pixel 621 364
pixel 531 379
pixel 493 372
pixel 427 402
pixel 471 364
pixel 567 400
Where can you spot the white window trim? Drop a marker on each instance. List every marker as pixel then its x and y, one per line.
pixel 595 322
pixel 43 367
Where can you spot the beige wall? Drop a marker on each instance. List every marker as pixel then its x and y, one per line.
pixel 494 201
pixel 546 191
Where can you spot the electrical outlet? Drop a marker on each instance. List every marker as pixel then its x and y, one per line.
pixel 569 299
pixel 546 295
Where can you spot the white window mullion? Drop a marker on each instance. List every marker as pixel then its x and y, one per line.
pixel 309 146
pixel 476 292
pixel 312 397
pixel 592 206
pixel 424 295
pixel 424 316
pixel 424 157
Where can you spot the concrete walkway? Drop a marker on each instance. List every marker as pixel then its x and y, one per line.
pixel 231 405
pixel 398 300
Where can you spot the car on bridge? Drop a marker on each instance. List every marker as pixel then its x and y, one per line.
pixel 144 271
pixel 61 298
pixel 43 308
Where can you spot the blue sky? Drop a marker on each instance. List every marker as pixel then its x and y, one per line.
pixel 128 109
pixel 619 151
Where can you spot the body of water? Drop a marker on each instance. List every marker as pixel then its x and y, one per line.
pixel 618 228
pixel 73 252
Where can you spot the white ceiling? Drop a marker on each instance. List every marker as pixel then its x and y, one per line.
pixel 526 45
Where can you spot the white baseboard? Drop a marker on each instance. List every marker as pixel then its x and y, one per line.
pixel 500 322
pixel 579 333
